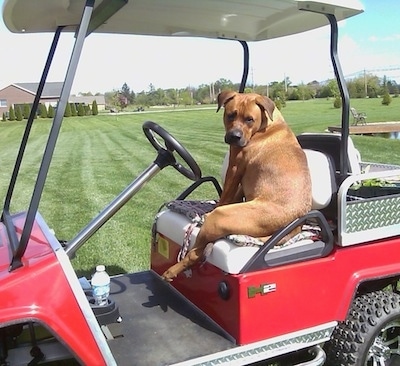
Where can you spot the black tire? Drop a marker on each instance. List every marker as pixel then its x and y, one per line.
pixel 370 335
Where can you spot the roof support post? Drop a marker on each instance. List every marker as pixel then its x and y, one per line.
pixel 344 93
pixel 245 66
pixel 54 132
pixel 6 217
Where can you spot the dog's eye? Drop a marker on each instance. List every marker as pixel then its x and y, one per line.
pixel 249 120
pixel 231 116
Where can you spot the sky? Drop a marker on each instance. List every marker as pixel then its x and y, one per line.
pixel 369 41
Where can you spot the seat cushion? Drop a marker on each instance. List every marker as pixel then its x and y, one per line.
pixel 225 255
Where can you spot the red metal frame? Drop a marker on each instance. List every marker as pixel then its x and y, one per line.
pixel 296 296
pixel 41 291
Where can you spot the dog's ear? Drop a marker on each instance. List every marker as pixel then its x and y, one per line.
pixel 224 97
pixel 267 104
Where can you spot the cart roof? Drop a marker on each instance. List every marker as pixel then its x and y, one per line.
pixel 246 20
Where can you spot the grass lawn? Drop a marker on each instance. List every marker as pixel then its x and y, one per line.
pixel 98 156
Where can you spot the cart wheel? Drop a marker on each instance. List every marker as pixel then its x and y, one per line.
pixel 170 144
pixel 371 334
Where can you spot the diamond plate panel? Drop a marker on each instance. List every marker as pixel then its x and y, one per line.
pixel 240 355
pixel 372 214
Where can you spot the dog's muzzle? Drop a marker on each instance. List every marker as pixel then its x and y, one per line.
pixel 235 137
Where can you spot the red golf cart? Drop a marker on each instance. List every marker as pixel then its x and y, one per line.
pixel 330 296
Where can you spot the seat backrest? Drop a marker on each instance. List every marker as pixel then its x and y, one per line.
pixel 329 143
pixel 323 180
pixel 322 172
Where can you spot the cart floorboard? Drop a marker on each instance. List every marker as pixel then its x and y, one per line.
pixel 160 327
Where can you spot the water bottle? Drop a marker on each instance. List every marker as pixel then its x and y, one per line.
pixel 101 285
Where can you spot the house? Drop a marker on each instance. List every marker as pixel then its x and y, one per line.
pixel 24 93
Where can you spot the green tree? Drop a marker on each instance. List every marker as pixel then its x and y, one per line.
pixel 50 112
pixel 277 91
pixel 27 111
pixel 4 117
pixel 222 84
pixel 88 112
pixel 11 114
pixel 186 97
pixel 42 111
pixel 278 104
pixel 330 89
pixel 67 112
pixel 18 113
pixel 95 110
pixel 171 96
pixel 127 93
pixel 337 103
pixel 142 99
pixel 81 110
pixel 74 112
pixel 387 99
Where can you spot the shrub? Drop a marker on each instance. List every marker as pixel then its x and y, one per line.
pixel 11 114
pixel 337 103
pixel 27 111
pixel 387 99
pixel 18 113
pixel 50 111
pixel 67 112
pixel 42 111
pixel 74 113
pixel 278 104
pixel 4 117
pixel 81 110
pixel 95 110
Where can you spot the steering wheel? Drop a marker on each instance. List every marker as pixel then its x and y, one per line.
pixel 170 145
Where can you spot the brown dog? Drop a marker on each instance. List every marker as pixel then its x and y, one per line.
pixel 267 184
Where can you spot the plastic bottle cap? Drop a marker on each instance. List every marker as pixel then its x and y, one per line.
pixel 100 268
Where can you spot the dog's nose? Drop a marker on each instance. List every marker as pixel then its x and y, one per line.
pixel 234 137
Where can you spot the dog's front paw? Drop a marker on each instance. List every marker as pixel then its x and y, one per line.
pixel 168 275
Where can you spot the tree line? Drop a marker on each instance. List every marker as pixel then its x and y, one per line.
pixel 368 85
pixel 19 112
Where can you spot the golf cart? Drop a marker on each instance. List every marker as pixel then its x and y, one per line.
pixel 329 297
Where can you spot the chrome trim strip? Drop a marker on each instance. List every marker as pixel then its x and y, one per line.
pixel 264 350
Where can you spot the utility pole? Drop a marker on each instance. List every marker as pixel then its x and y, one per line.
pixel 365 83
pixel 284 75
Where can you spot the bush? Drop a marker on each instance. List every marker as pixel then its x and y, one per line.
pixel 67 112
pixel 337 103
pixel 4 117
pixel 50 111
pixel 278 104
pixel 74 113
pixel 387 99
pixel 95 110
pixel 81 110
pixel 18 113
pixel 11 114
pixel 27 111
pixel 42 111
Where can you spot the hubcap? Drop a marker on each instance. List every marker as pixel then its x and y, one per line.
pixel 386 346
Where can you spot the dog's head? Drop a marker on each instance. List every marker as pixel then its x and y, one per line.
pixel 244 115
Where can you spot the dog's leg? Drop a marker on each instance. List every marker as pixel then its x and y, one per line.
pixel 247 218
pixel 233 191
pixel 193 256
